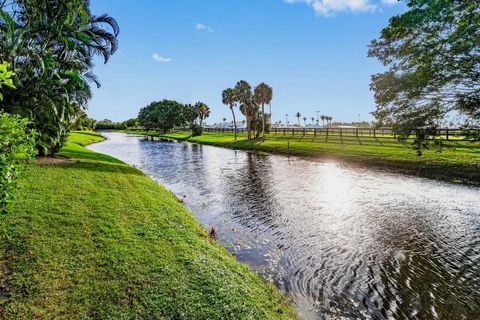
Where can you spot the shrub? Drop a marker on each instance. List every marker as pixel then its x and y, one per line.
pixel 17 145
pixel 197 130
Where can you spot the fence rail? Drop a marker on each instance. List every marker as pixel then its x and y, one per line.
pixel 384 133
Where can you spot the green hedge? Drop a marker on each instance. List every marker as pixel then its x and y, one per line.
pixel 17 145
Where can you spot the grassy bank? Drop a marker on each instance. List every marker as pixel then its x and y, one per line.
pixel 92 237
pixel 458 160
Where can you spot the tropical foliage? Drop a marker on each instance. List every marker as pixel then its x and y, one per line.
pixel 249 102
pixel 16 146
pixel 432 52
pixel 51 46
pixel 83 122
pixel 263 95
pixel 229 98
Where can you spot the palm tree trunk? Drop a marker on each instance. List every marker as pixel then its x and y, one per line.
pixel 234 122
pixel 249 134
pixel 263 122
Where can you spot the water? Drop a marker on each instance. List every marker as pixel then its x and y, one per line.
pixel 343 241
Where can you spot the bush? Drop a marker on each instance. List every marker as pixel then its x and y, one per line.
pixel 197 130
pixel 17 145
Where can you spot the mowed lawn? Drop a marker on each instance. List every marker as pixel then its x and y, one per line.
pixel 456 160
pixel 95 238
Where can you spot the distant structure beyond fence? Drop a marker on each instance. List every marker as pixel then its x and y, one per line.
pixel 384 133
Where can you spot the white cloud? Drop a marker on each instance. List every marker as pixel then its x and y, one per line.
pixel 330 7
pixel 390 2
pixel 202 27
pixel 158 58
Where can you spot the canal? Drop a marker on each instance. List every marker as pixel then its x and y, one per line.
pixel 344 241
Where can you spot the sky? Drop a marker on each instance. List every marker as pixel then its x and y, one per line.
pixel 312 52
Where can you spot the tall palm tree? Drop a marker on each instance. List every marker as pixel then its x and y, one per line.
pixel 243 91
pixel 313 120
pixel 298 115
pixel 229 98
pixel 323 119
pixel 262 95
pixel 329 119
pixel 305 121
pixel 203 112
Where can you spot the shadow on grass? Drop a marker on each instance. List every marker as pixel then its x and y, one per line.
pixel 108 167
pixel 85 133
pixel 89 155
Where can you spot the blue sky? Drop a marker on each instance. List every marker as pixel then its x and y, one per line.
pixel 312 52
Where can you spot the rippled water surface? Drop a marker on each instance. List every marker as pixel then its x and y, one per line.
pixel 345 242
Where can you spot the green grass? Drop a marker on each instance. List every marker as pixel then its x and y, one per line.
pixel 457 161
pixel 95 238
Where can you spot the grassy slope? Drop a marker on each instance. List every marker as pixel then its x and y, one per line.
pixel 458 160
pixel 96 238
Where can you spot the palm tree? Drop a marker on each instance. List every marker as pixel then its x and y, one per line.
pixel 262 95
pixel 229 98
pixel 203 112
pixel 323 119
pixel 298 115
pixel 313 120
pixel 329 119
pixel 243 91
pixel 305 121
pixel 51 46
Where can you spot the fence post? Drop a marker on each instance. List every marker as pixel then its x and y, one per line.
pixel 284 131
pixel 314 132
pixel 356 132
pixel 293 131
pixel 341 133
pixel 447 133
pixel 374 133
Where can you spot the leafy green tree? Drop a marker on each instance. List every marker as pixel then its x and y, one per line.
pixel 107 124
pixel 83 122
pixel 229 98
pixel 432 53
pixel 191 115
pixel 162 116
pixel 51 46
pixel 131 123
pixel 263 95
